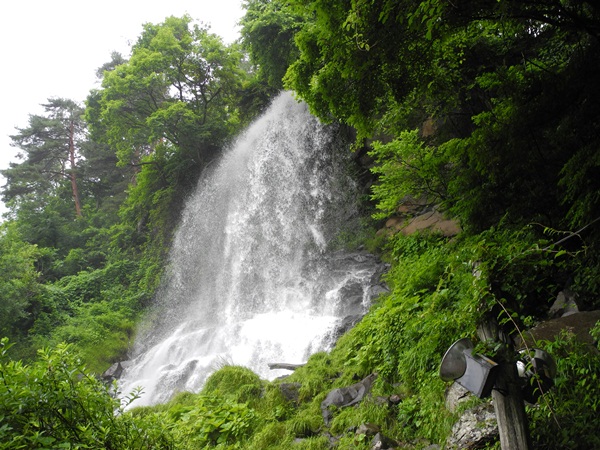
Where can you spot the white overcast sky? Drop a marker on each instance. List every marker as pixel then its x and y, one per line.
pixel 52 48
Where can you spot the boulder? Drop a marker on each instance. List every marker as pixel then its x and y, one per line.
pixel 395 399
pixel 114 372
pixel 578 323
pixel 368 429
pixel 345 325
pixel 564 305
pixel 290 391
pixel 455 395
pixel 346 396
pixel 382 442
pixel 474 429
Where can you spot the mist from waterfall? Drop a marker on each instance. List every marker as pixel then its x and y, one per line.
pixel 250 279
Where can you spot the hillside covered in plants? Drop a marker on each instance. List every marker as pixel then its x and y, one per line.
pixel 486 111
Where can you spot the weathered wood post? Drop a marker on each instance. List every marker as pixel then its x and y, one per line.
pixel 507 396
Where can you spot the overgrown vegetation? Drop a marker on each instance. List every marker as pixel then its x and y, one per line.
pixel 487 110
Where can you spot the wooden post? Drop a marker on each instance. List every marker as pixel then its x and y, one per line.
pixel 510 409
pixel 507 397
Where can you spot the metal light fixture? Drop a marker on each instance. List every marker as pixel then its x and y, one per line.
pixel 537 370
pixel 474 372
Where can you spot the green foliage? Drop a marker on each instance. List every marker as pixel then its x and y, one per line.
pixel 235 382
pixel 407 168
pixel 317 371
pixel 102 333
pixel 567 415
pixel 214 421
pixel 595 333
pixel 369 412
pixel 270 436
pixel 93 285
pixel 20 290
pixel 175 89
pixel 56 403
pixel 268 29
pixel 487 108
pixel 307 421
pixel 49 148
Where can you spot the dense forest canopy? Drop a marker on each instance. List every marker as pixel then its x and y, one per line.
pixel 487 110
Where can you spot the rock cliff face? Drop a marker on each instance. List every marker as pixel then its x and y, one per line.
pixel 416 215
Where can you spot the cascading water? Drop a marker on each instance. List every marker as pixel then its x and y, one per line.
pixel 250 281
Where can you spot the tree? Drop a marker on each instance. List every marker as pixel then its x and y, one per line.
pixel 166 113
pixel 50 150
pixel 174 96
pixel 19 286
pixel 497 80
pixel 268 30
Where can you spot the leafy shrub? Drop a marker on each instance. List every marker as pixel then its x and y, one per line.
pixel 307 421
pixel 101 332
pixel 55 403
pixel 407 167
pixel 272 435
pixel 235 382
pixel 215 421
pixel 567 415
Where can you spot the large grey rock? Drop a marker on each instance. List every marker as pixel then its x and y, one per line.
pixel 455 395
pixel 346 396
pixel 357 293
pixel 115 371
pixel 579 324
pixel 475 428
pixel 564 305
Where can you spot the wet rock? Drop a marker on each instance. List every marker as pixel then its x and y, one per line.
pixel 357 293
pixel 114 372
pixel 382 401
pixel 346 396
pixel 290 391
pixel 345 325
pixel 433 221
pixel 475 428
pixel 382 442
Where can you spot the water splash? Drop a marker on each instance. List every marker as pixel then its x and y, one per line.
pixel 249 280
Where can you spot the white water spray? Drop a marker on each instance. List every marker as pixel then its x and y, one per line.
pixel 250 281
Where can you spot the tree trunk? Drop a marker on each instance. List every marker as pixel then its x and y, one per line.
pixel 73 176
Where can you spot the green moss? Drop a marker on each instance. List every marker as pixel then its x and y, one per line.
pixel 235 382
pixel 271 436
pixel 307 421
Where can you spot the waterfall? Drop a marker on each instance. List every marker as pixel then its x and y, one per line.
pixel 250 279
